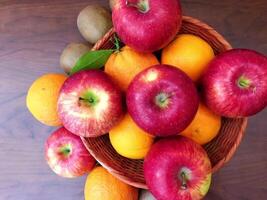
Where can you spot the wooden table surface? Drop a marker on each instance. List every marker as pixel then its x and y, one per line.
pixel 32 36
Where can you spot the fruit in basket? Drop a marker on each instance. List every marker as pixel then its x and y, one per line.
pixel 177 168
pixel 93 22
pixel 124 65
pixel 71 55
pixel 100 184
pixel 129 140
pixel 89 103
pixel 66 155
pixel 42 97
pixel 189 53
pixel 147 25
pixel 162 100
pixel 204 127
pixel 235 83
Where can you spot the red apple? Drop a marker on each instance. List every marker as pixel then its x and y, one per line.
pixel 162 100
pixel 235 83
pixel 147 25
pixel 177 169
pixel 89 103
pixel 66 155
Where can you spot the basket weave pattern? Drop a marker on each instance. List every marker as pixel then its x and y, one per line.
pixel 220 150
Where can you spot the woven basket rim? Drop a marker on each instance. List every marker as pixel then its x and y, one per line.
pixel 111 170
pixel 231 153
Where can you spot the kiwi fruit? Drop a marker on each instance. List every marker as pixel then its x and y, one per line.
pixel 93 22
pixel 71 55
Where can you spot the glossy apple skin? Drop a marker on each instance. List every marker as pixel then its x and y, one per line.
pixel 182 104
pixel 76 162
pixel 82 119
pixel 150 31
pixel 221 90
pixel 164 162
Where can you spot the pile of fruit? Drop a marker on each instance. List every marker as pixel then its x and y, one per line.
pixel 158 107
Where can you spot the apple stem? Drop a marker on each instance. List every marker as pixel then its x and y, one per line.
pixel 65 151
pixel 89 100
pixel 142 5
pixel 184 184
pixel 117 43
pixel 243 82
pixel 161 100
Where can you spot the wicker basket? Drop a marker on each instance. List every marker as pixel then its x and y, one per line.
pixel 220 150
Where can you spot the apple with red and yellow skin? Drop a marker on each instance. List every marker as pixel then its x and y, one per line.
pixel 162 100
pixel 147 25
pixel 235 83
pixel 177 168
pixel 66 155
pixel 89 103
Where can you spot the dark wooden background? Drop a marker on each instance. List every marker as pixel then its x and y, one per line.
pixel 32 36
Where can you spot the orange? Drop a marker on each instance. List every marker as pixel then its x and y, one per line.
pixel 204 127
pixel 101 185
pixel 124 65
pixel 189 53
pixel 42 98
pixel 129 140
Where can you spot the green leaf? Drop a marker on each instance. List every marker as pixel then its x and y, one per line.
pixel 92 60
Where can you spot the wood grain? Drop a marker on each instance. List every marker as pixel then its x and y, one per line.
pixel 32 36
